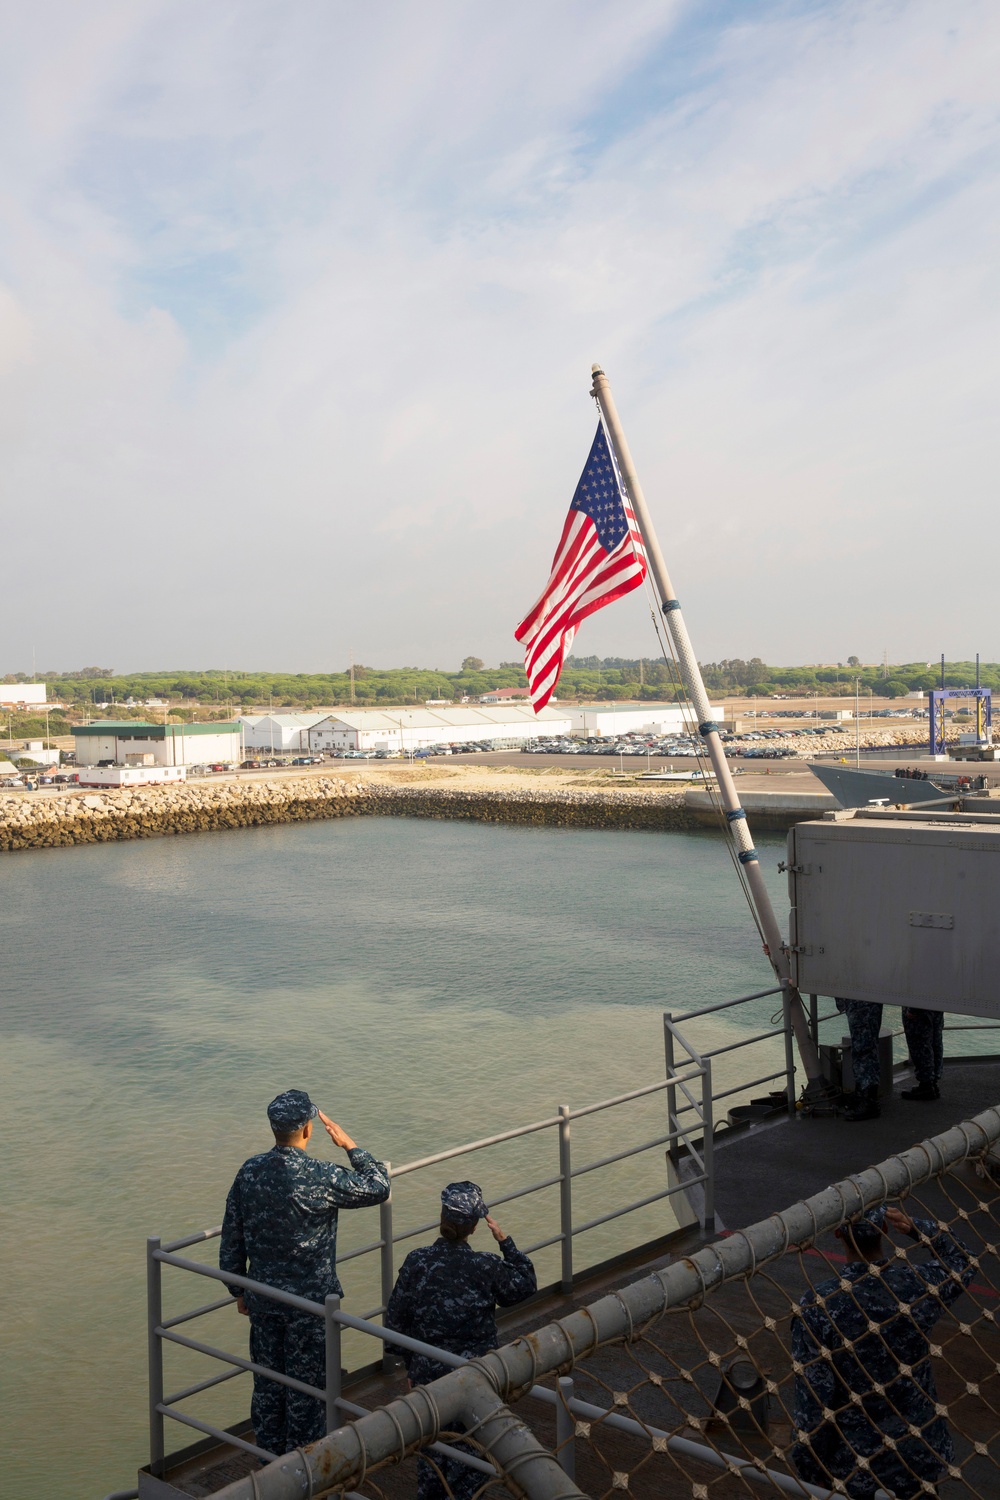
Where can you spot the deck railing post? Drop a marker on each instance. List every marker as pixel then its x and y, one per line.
pixel 786 1021
pixel 668 1047
pixel 566 1428
pixel 390 1360
pixel 814 1019
pixel 333 1363
pixel 565 1198
pixel 154 1317
pixel 708 1145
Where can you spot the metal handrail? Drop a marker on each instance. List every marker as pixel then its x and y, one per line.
pixel 707 1010
pixel 198 1312
pixel 489 1140
pixel 592 1109
pixel 203 1385
pixel 606 1161
pixel 703 1109
pixel 761 1036
pixel 754 1083
pixel 161 1330
pixel 694 1068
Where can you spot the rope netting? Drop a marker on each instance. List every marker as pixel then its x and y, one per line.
pixel 864 1363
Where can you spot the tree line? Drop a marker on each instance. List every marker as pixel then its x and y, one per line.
pixel 220 692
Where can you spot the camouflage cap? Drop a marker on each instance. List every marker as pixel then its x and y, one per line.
pixel 291 1110
pixel 462 1201
pixel 866 1230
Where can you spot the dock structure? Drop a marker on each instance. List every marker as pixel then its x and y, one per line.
pixel 666 1372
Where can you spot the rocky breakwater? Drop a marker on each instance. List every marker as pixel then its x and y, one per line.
pixel 658 810
pixel 51 820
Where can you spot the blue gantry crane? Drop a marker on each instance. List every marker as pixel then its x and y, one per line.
pixel 983 699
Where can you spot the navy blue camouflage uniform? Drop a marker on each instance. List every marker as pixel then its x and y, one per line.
pixel 864 1022
pixel 446 1294
pixel 888 1369
pixel 280 1228
pixel 925 1041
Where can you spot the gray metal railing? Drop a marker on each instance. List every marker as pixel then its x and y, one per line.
pixel 688 1074
pixel 161 1331
pixel 698 1134
pixel 477 1393
pixel 691 1128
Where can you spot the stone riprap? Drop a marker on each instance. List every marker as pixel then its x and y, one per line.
pixel 51 820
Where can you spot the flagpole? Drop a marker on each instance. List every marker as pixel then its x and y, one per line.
pixel 691 675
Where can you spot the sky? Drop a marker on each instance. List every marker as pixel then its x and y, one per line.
pixel 298 307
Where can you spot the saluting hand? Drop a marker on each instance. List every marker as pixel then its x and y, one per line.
pixel 494 1229
pixel 338 1137
pixel 900 1221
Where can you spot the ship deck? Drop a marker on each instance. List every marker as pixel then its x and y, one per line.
pixel 760 1169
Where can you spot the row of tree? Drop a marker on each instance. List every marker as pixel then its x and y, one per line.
pixel 589 677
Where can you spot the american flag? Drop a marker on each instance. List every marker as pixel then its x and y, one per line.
pixel 600 558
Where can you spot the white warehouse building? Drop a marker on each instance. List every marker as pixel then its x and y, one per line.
pixel 597 720
pixel 417 728
pixel 31 694
pixel 126 742
pixel 280 733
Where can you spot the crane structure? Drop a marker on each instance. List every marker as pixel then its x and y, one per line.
pixel 983 699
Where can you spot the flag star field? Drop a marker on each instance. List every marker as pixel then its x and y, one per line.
pixel 598 495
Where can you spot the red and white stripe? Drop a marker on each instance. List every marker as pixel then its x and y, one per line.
pixel 584 579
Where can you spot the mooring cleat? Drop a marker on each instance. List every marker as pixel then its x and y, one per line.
pixel 819 1098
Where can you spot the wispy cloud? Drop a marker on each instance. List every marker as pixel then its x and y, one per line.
pixel 297 306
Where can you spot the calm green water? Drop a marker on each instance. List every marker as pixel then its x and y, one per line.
pixel 427 982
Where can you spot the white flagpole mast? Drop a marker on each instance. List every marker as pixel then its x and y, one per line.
pixel 691 674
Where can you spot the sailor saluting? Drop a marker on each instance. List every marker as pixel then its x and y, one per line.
pixel 281 1228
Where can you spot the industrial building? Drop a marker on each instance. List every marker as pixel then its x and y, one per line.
pixel 597 720
pixel 417 728
pixel 28 694
pixel 130 743
pixel 279 733
pixel 505 695
pixel 36 752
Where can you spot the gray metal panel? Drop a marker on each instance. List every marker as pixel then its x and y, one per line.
pixel 907 913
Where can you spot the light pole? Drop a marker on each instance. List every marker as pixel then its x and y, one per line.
pixel 857 722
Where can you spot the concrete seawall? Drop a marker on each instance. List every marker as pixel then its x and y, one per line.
pixel 769 810
pixel 63 819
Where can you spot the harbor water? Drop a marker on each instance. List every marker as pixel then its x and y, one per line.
pixel 428 982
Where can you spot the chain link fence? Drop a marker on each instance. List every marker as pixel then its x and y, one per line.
pixel 849 1345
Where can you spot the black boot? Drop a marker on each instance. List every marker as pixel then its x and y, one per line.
pixel 862 1105
pixel 923 1092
